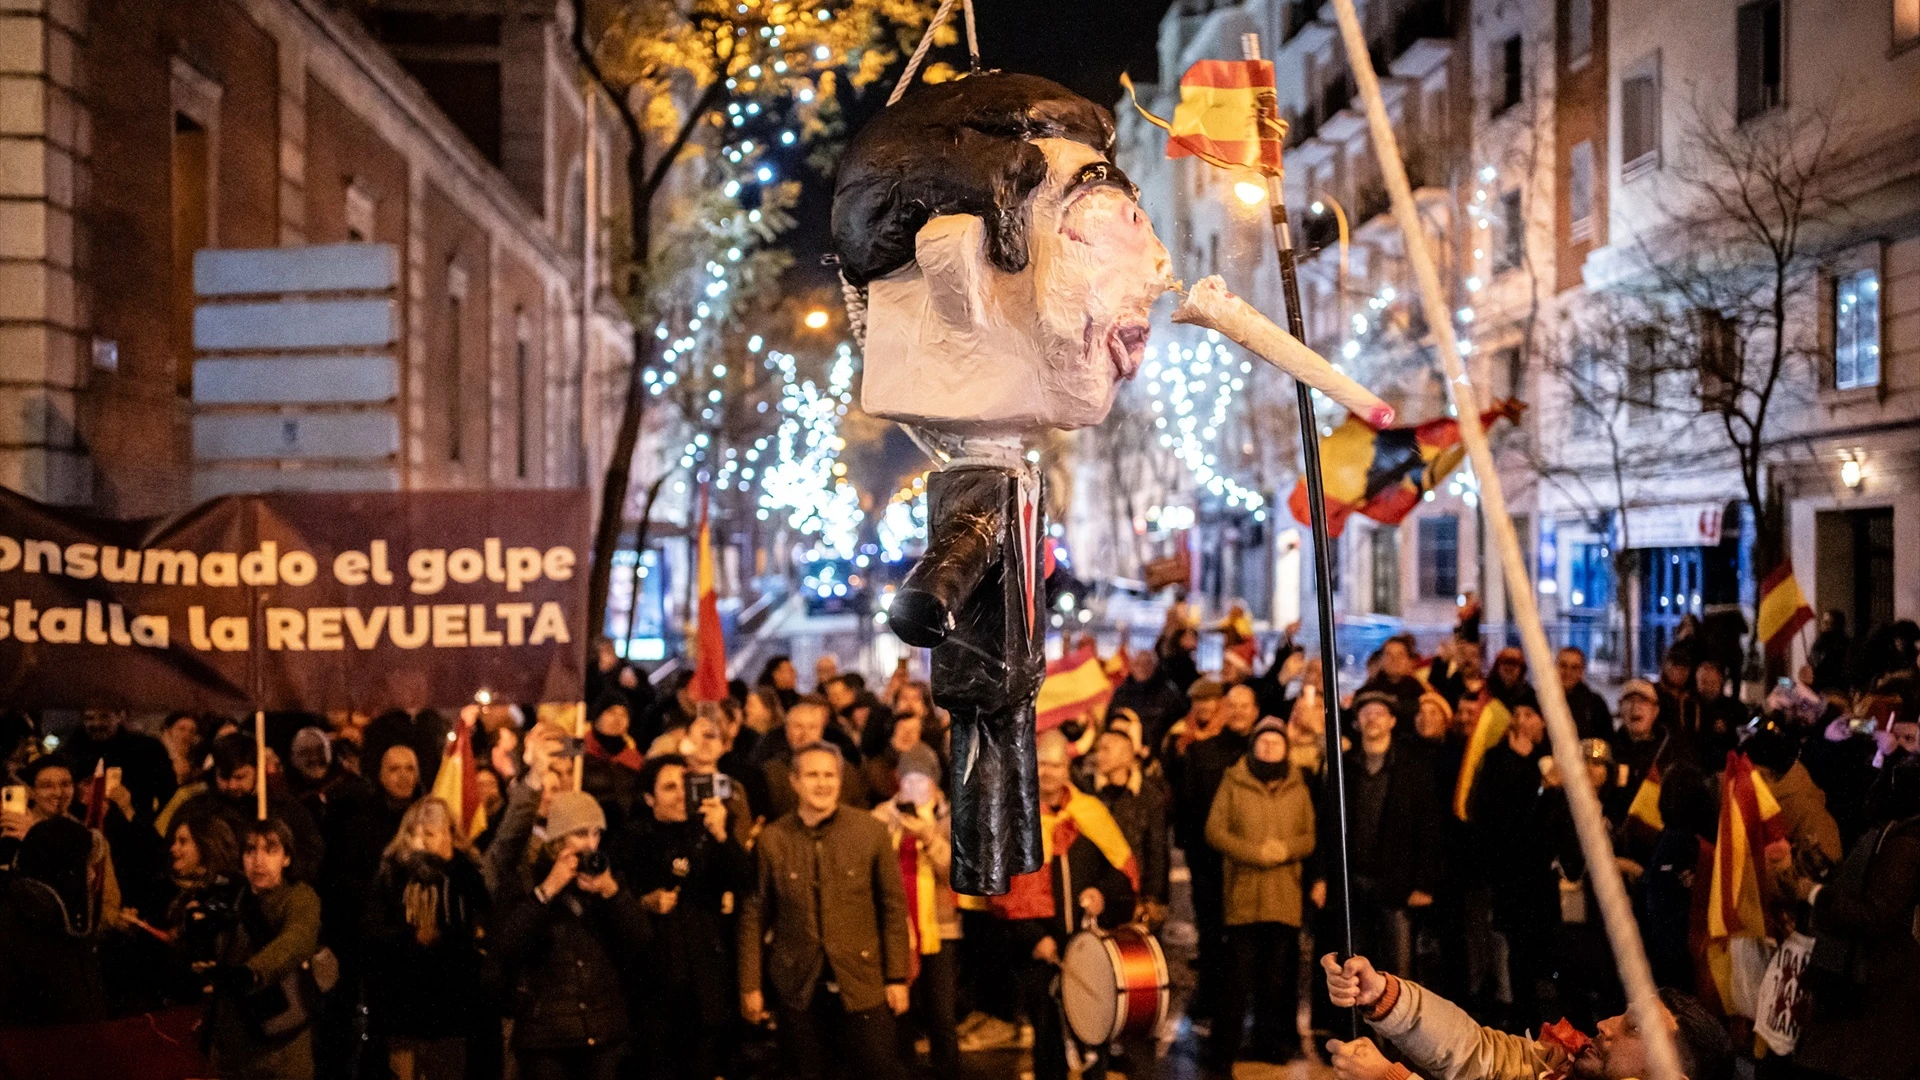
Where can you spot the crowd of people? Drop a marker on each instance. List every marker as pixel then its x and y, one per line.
pixel 665 887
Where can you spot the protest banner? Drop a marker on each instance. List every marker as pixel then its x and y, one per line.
pixel 295 601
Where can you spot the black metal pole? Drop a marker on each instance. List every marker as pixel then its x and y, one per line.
pixel 1317 514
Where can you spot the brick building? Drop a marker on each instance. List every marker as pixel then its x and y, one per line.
pixel 133 134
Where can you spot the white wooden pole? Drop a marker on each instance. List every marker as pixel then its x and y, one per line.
pixel 1628 953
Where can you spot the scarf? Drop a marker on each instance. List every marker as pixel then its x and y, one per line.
pixel 1266 771
pixel 916 876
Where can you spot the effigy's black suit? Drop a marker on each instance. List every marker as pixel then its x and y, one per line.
pixel 976 599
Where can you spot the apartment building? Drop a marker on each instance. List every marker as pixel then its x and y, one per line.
pixel 1811 102
pixel 135 135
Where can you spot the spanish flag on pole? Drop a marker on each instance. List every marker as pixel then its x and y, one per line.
pixel 1383 474
pixel 457 783
pixel 1750 822
pixel 710 670
pixel 1783 609
pixel 1219 119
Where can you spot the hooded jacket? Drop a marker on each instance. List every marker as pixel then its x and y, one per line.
pixel 1246 814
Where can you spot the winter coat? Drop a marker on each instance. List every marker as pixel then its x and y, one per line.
pixel 1438 1039
pixel 1195 777
pixel 1139 807
pixel 1591 717
pixel 276 932
pixel 564 960
pixel 691 947
pixel 51 974
pixel 825 894
pixel 1862 1026
pixel 1247 813
pixel 1408 851
pixel 436 989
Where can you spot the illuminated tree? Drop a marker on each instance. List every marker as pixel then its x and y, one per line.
pixel 711 77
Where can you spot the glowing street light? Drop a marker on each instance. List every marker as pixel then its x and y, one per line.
pixel 1250 193
pixel 817 319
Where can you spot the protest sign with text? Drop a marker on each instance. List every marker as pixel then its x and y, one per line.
pixel 295 601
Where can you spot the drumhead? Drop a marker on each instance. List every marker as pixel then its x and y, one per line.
pixel 1090 989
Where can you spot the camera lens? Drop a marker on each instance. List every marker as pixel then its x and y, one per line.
pixel 593 864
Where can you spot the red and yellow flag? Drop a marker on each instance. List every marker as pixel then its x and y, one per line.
pixel 1030 895
pixel 1783 609
pixel 1074 684
pixel 1749 822
pixel 1487 733
pixel 457 783
pixel 1221 119
pixel 710 669
pixel 1383 474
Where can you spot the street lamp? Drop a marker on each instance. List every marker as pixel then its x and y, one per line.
pixel 817 319
pixel 1320 206
pixel 1250 193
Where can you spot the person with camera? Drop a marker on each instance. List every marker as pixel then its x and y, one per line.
pixel 259 1021
pixel 826 927
pixel 703 746
pixel 425 941
pixel 920 825
pixel 563 943
pixel 206 884
pixel 683 863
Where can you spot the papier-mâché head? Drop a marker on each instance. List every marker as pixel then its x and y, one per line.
pixel 1009 268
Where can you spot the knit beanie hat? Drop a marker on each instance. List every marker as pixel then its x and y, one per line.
pixel 573 811
pixel 920 758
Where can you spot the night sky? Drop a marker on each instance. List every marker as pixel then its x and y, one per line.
pixel 1082 44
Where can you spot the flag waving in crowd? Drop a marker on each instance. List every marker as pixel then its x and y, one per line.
pixel 1737 915
pixel 457 783
pixel 1383 474
pixel 710 673
pixel 1783 609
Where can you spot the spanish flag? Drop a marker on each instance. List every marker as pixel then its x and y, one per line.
pixel 710 670
pixel 1074 684
pixel 457 783
pixel 1783 609
pixel 1645 807
pixel 1383 474
pixel 1226 117
pixel 1487 733
pixel 1750 821
pixel 1030 895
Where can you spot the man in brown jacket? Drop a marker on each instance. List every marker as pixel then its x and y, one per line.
pixel 829 916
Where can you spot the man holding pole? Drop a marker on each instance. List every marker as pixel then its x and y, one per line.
pixel 1439 1040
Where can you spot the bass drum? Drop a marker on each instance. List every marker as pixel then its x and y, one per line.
pixel 1113 984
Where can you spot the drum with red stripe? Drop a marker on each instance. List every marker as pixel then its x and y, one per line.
pixel 1113 984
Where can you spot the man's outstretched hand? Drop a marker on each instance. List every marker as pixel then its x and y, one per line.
pixel 1353 984
pixel 1358 1060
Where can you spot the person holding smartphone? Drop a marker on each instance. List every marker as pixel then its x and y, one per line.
pixel 685 864
pixel 920 825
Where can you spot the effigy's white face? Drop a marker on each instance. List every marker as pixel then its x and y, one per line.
pixel 955 344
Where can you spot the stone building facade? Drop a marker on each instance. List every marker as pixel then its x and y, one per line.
pixel 133 134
